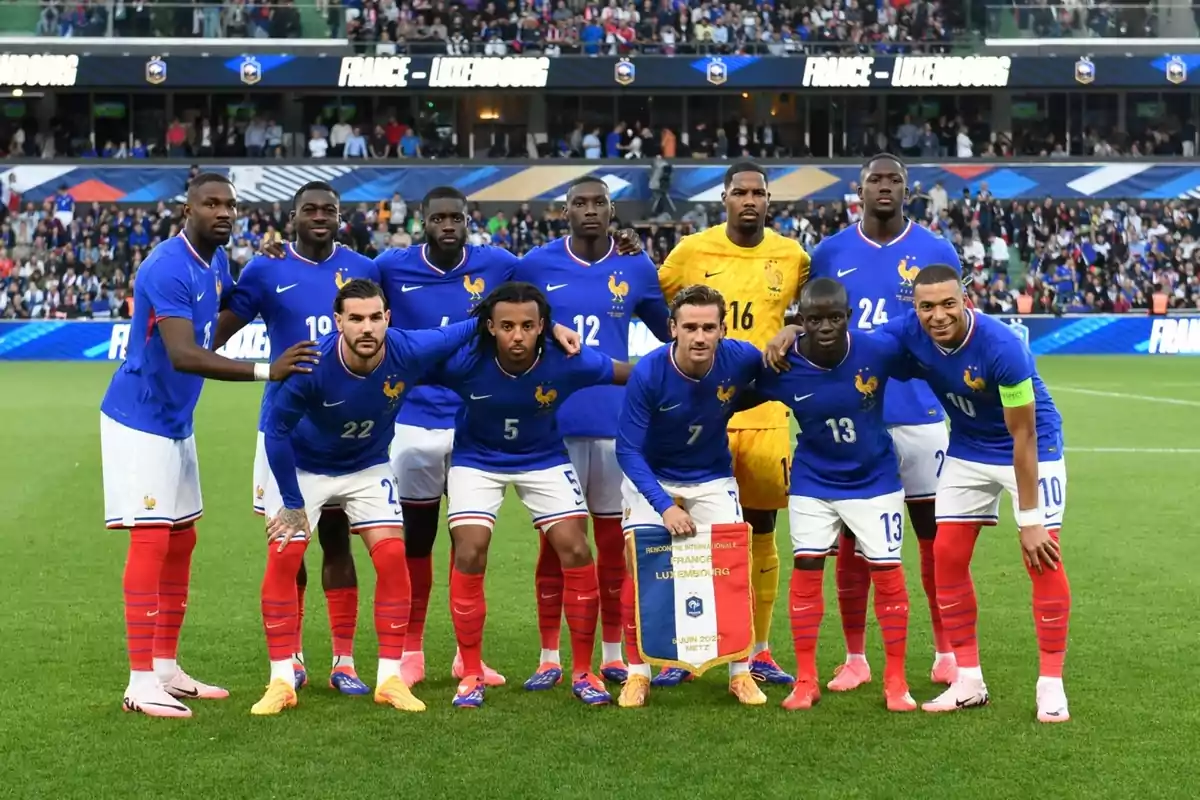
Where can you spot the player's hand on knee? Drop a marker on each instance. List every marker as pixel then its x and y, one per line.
pixel 272 247
pixel 678 522
pixel 775 354
pixel 300 357
pixel 628 242
pixel 288 525
pixel 567 338
pixel 1039 549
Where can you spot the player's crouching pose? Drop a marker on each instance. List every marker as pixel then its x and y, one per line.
pixel 148 450
pixel 844 472
pixel 507 435
pixel 672 442
pixel 1005 435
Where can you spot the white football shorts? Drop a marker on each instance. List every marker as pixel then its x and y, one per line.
pixel 595 462
pixel 262 475
pixel 921 451
pixel 421 462
pixel 709 503
pixel 148 479
pixel 876 522
pixel 369 497
pixel 969 491
pixel 550 495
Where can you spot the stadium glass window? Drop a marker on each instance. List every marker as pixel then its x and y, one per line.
pixel 633 109
pixel 111 120
pixel 149 119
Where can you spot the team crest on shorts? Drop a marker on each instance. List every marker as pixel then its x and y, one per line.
pixel 867 386
pixel 774 277
pixel 475 288
pixel 149 502
pixel 545 396
pixel 392 389
pixel 974 382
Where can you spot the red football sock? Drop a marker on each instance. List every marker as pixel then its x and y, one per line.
pixel 853 576
pixel 343 618
pixel 468 607
pixel 808 607
pixel 953 548
pixel 1051 617
pixel 582 604
pixel 143 572
pixel 420 573
pixel 629 618
pixel 280 609
pixel 393 596
pixel 891 609
pixel 173 591
pixel 941 642
pixel 610 574
pixel 548 583
pixel 301 589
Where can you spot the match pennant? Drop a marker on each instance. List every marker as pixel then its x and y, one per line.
pixel 694 602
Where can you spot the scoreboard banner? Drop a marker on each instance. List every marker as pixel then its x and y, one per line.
pixel 1082 334
pixel 864 74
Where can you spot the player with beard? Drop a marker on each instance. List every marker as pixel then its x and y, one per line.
pixel 877 261
pixel 327 436
pixel 600 290
pixel 147 447
pixel 760 274
pixel 294 297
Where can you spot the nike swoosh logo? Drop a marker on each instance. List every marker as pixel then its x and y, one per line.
pixel 798 609
pixel 669 408
pixel 407 289
pixel 200 296
pixel 841 273
pixel 554 287
pixel 152 613
pixel 796 399
pixel 460 612
pixel 1051 515
pixel 578 502
pixel 281 289
pixel 1052 619
pixel 944 607
pixel 396 627
pixel 894 549
pixel 480 397
pixel 549 596
pixel 711 274
pixel 276 625
pixel 188 692
pixel 331 405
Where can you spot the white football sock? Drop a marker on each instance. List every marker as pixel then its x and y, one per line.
pixel 165 669
pixel 550 657
pixel 388 667
pixel 343 661
pixel 282 671
pixel 739 668
pixel 140 680
pixel 640 669
pixel 611 651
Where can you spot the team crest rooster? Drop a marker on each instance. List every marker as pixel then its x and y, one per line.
pixel 726 393
pixel 340 279
pixel 974 382
pixel 545 398
pixel 618 288
pixel 474 287
pixel 907 274
pixel 393 389
pixel 866 387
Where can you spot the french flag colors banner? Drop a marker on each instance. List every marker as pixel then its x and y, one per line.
pixel 693 596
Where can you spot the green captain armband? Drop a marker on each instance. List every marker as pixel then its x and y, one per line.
pixel 1017 396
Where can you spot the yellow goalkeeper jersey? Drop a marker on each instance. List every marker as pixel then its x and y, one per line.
pixel 758 283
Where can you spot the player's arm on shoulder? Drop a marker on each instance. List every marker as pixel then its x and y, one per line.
pixel 632 425
pixel 422 350
pixel 171 297
pixel 775 354
pixel 285 412
pixel 594 368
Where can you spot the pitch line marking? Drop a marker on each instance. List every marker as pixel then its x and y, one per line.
pixel 1174 401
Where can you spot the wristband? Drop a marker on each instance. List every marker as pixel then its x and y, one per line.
pixel 1029 516
pixel 262 372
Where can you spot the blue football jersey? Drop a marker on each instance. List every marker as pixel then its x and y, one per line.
pixel 332 421
pixel 146 392
pixel 967 381
pixel 507 422
pixel 843 448
pixel 424 296
pixel 673 426
pixel 879 280
pixel 599 300
pixel 294 296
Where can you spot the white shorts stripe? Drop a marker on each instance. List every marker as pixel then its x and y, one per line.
pixel 366 496
pixel 549 495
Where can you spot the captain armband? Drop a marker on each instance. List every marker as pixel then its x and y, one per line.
pixel 1017 396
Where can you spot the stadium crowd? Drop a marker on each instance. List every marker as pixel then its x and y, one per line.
pixel 62 260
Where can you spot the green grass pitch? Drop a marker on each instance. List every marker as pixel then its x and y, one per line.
pixel 1129 543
